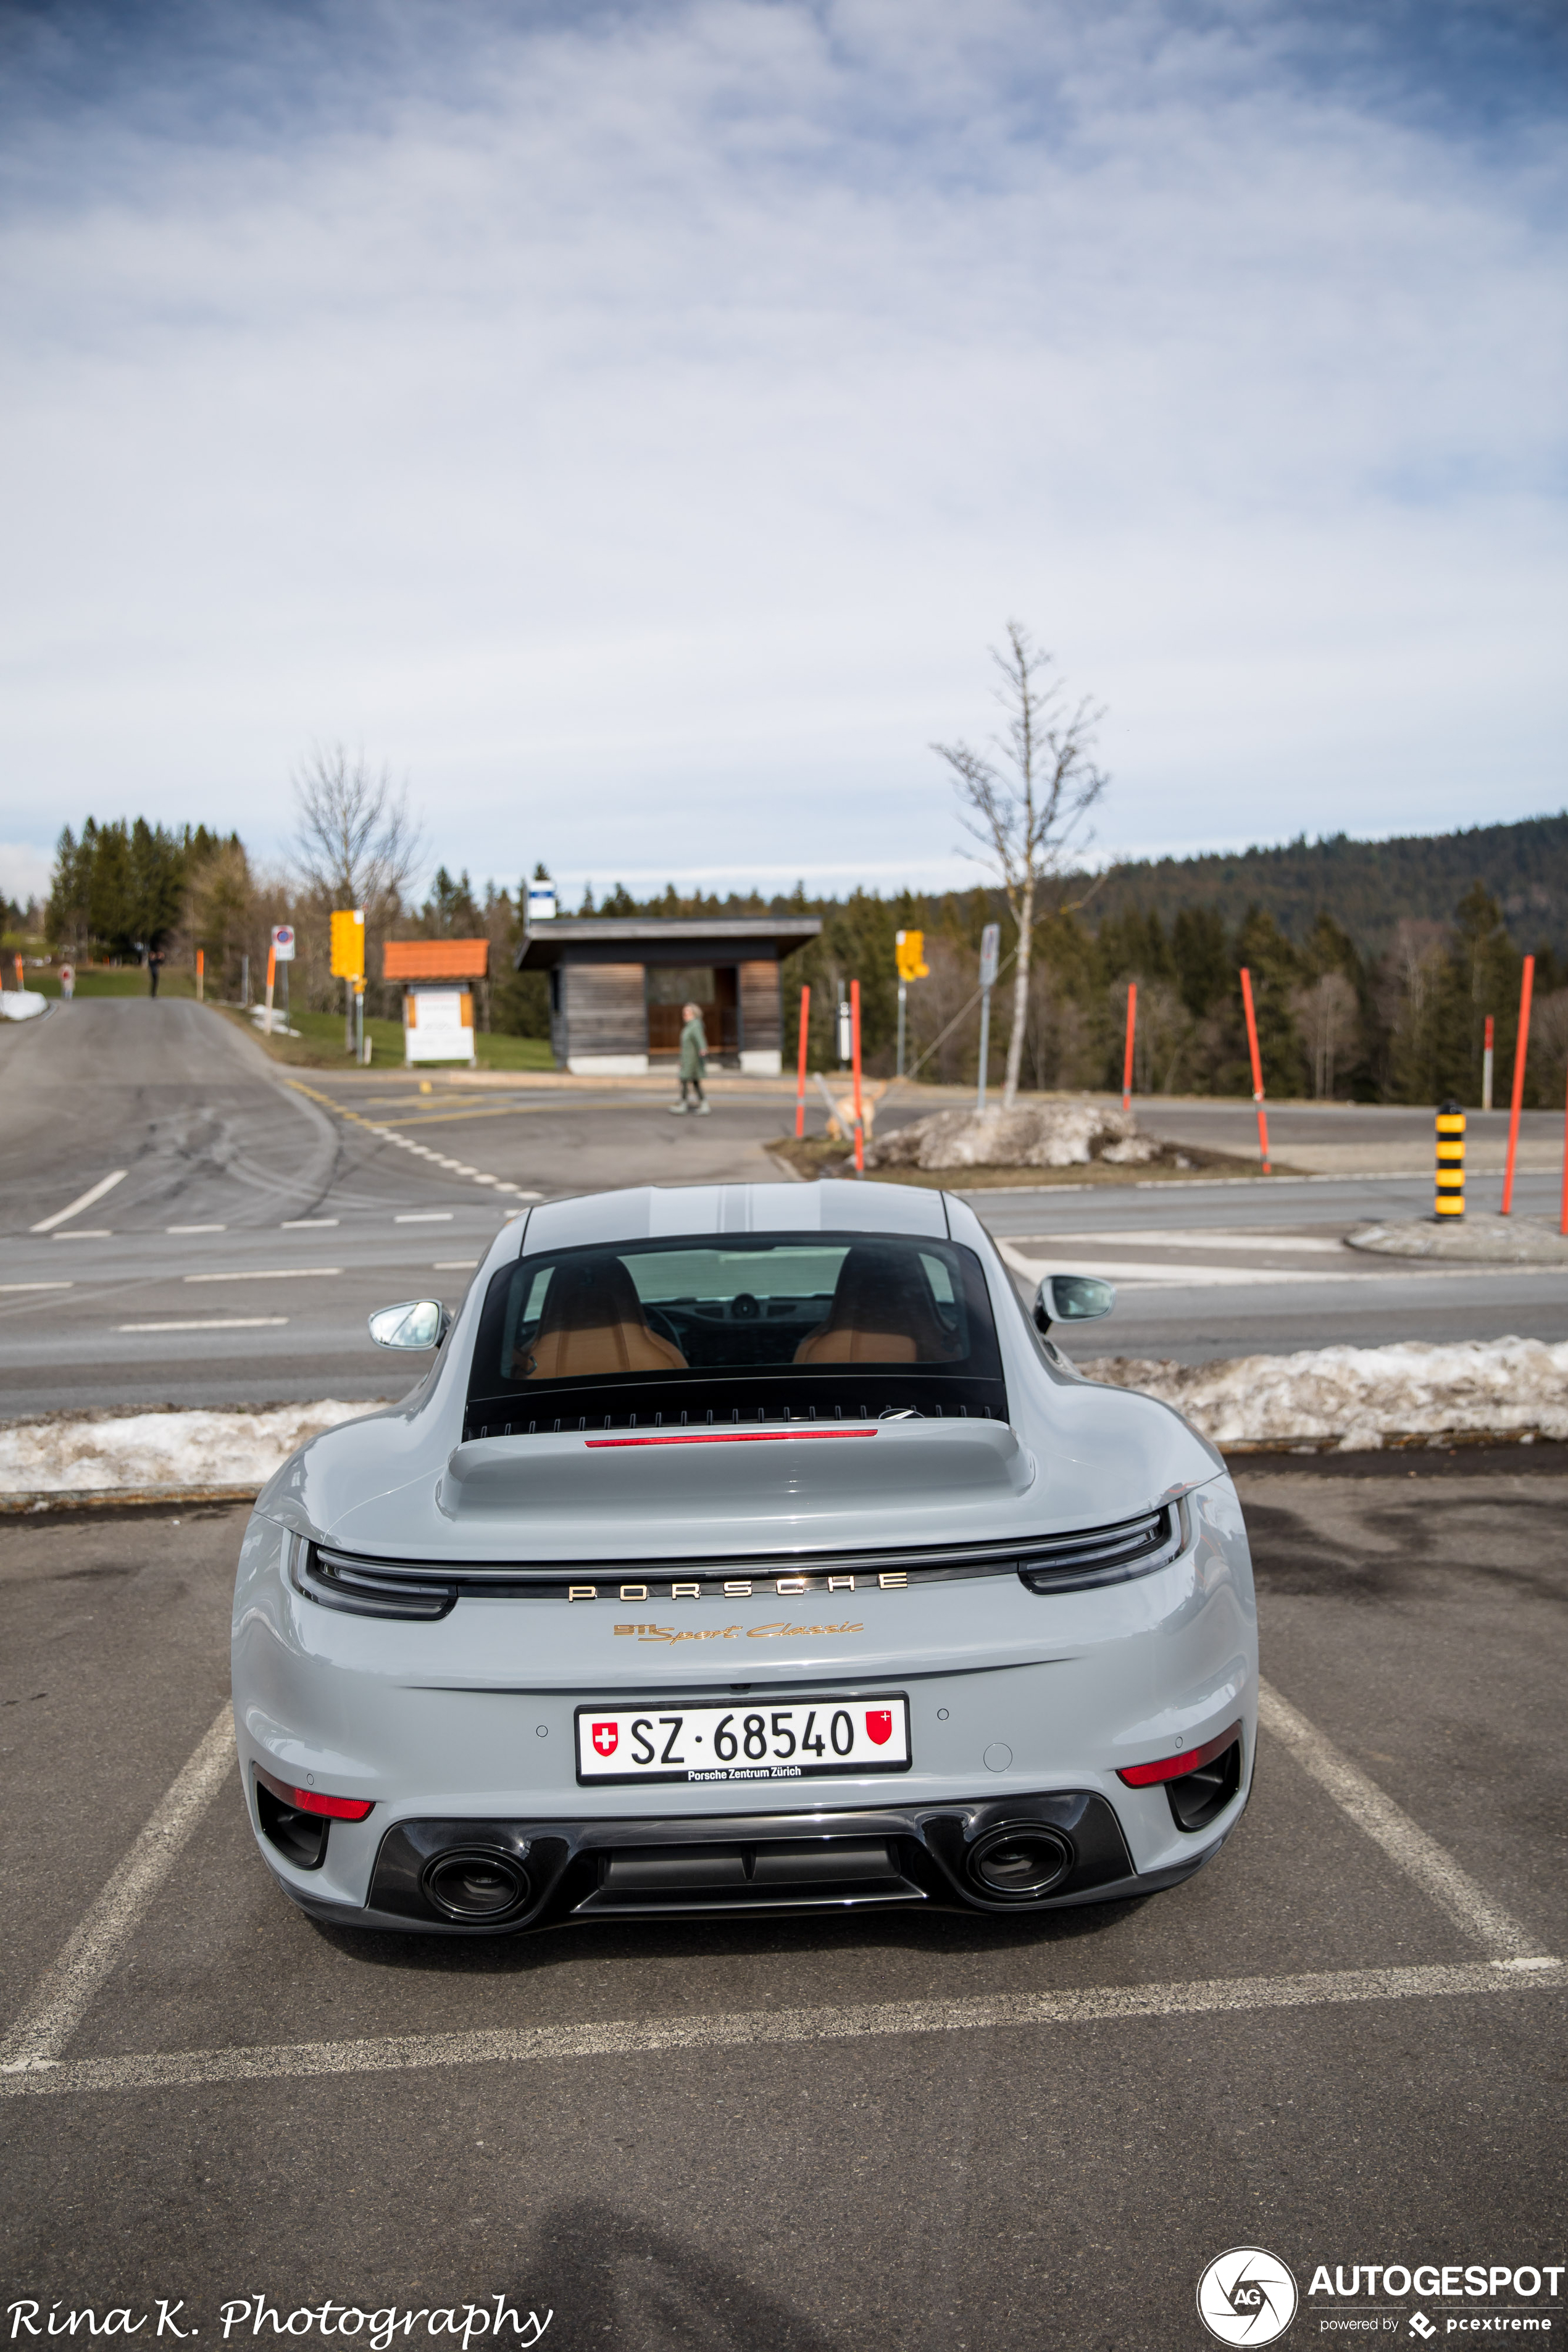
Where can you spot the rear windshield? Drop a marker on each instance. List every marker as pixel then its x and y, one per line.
pixel 810 1325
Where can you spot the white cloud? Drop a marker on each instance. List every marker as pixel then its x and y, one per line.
pixel 23 872
pixel 636 428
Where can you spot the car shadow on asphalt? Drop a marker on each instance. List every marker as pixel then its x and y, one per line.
pixel 617 2277
pixel 950 1934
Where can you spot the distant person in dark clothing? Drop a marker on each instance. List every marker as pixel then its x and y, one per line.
pixel 154 966
pixel 693 1062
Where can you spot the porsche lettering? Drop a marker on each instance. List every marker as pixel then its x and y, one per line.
pixel 737 1588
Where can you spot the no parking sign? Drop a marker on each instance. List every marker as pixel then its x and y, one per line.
pixel 283 943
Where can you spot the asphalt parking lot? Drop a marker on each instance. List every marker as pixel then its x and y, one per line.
pixel 1342 2042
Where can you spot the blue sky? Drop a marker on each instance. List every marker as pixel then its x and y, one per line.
pixel 632 424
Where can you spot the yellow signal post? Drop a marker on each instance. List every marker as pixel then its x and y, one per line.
pixel 908 947
pixel 348 961
pixel 1450 1200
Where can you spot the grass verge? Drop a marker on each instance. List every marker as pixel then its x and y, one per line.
pixel 320 1045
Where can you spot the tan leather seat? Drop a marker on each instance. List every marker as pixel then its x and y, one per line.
pixel 593 1324
pixel 881 1313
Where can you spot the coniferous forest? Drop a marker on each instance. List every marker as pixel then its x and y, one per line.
pixel 1375 964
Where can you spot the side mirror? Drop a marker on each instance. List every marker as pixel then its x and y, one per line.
pixel 1072 1298
pixel 416 1323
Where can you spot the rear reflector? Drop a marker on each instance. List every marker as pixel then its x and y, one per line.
pixel 1175 1768
pixel 731 1437
pixel 311 1801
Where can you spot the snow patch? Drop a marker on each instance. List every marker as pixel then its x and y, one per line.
pixel 161 1449
pixel 1034 1135
pixel 1360 1398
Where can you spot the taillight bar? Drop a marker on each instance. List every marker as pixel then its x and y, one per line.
pixel 730 1437
pixel 1176 1767
pixel 312 1801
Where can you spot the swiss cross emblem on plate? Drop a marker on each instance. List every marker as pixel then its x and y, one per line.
pixel 879 1725
pixel 605 1738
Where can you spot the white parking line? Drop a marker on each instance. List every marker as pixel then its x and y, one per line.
pixel 86 1234
pixel 83 1201
pixel 195 1229
pixel 268 1274
pixel 37 1286
pixel 66 1988
pixel 425 1217
pixel 1388 1825
pixel 1095 2005
pixel 221 1323
pixel 30 2061
pixel 305 1224
pixel 453 1265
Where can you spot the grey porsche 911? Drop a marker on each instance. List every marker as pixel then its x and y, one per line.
pixel 745 1547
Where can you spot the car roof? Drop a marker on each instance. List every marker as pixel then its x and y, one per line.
pixel 658 1212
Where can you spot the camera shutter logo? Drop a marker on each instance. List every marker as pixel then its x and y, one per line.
pixel 1247 2296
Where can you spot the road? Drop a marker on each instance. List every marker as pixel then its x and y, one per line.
pixel 743 2138
pixel 256 1218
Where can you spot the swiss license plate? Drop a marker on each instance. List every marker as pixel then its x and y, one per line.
pixel 751 1742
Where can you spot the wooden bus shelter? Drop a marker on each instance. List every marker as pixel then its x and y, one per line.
pixel 617 984
pixel 438 978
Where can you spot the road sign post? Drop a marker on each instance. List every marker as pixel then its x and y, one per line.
pixel 800 1078
pixel 1257 1067
pixel 990 949
pixel 908 947
pixel 1131 1033
pixel 281 951
pixel 1526 988
pixel 859 1107
pixel 1451 1187
pixel 348 963
pixel 1486 1066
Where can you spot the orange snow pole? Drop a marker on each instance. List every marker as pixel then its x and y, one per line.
pixel 17 962
pixel 854 1051
pixel 201 972
pixel 1257 1067
pixel 1562 1228
pixel 1526 989
pixel 1131 1031
pixel 800 1087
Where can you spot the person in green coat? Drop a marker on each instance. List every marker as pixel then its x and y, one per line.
pixel 693 1062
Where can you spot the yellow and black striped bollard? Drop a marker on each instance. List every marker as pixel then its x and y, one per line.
pixel 1450 1158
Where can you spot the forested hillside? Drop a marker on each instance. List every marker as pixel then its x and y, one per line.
pixel 1368 886
pixel 1376 964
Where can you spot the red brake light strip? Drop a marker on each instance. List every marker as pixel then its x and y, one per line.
pixel 311 1801
pixel 730 1437
pixel 1173 1767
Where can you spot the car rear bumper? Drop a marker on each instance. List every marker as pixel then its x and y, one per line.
pixel 577 1873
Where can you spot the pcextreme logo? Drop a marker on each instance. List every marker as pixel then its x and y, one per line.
pixel 1247 2296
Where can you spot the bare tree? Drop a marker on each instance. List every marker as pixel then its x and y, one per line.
pixel 355 842
pixel 1027 810
pixel 1327 1013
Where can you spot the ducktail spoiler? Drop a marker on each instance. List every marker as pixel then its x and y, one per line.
pixel 692 1480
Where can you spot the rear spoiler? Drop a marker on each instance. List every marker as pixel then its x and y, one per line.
pixel 693 1484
